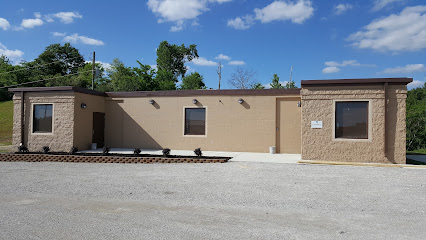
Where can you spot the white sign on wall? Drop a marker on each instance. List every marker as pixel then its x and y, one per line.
pixel 316 124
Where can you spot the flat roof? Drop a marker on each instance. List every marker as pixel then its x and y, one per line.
pixel 169 93
pixel 205 92
pixel 58 89
pixel 357 81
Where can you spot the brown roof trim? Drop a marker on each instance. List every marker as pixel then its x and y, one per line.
pixel 359 81
pixel 227 92
pixel 58 89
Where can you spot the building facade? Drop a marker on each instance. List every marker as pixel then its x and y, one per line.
pixel 357 120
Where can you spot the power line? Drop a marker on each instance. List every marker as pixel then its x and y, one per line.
pixel 44 79
pixel 38 65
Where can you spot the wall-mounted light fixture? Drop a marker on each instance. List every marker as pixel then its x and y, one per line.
pixel 194 101
pixel 299 104
pixel 240 101
pixel 151 101
pixel 83 105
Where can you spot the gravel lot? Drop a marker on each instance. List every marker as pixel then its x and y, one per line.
pixel 210 201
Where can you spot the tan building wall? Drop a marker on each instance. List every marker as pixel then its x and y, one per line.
pixel 83 122
pixel 230 126
pixel 63 121
pixel 319 144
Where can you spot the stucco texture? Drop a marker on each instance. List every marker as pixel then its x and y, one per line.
pixel 320 144
pixel 230 126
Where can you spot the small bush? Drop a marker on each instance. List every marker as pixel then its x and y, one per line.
pixel 22 149
pixel 105 151
pixel 166 152
pixel 73 150
pixel 137 151
pixel 46 149
pixel 198 152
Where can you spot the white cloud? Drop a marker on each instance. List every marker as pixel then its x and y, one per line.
pixel 37 15
pixel 58 34
pixel 380 4
pixel 201 61
pixel 343 63
pixel 65 17
pixel 241 23
pixel 4 24
pixel 342 8
pixel 11 54
pixel 285 10
pixel 397 32
pixel 333 66
pixel 405 69
pixel 31 23
pixel 223 57
pixel 331 70
pixel 179 11
pixel 415 84
pixel 236 63
pixel 76 38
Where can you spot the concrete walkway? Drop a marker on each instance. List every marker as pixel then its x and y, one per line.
pixel 236 156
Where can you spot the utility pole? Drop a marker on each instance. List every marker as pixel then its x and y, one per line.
pixel 291 73
pixel 219 72
pixel 93 71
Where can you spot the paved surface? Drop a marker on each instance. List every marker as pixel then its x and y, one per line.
pixel 236 156
pixel 237 200
pixel 420 158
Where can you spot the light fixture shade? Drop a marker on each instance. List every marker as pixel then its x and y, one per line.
pixel 194 101
pixel 151 101
pixel 240 101
pixel 83 105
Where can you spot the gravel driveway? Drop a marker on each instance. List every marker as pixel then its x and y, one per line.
pixel 210 201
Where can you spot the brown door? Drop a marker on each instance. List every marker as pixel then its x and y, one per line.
pixel 288 125
pixel 98 129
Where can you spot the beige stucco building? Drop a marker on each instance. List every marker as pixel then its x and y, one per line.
pixel 356 120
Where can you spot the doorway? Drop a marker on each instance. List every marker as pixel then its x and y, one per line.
pixel 288 125
pixel 98 129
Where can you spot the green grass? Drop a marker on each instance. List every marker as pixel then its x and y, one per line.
pixel 417 152
pixel 6 121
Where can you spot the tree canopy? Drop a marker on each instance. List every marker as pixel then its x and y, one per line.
pixel 242 78
pixel 276 82
pixel 192 81
pixel 416 118
pixel 172 58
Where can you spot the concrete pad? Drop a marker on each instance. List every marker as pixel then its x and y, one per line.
pixel 236 156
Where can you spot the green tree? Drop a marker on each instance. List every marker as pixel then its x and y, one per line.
pixel 172 58
pixel 290 85
pixel 258 86
pixel 60 59
pixel 6 79
pixel 416 118
pixel 276 82
pixel 192 81
pixel 123 78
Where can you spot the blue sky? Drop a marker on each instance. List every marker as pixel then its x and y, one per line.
pixel 321 39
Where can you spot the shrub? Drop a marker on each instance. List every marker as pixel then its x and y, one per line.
pixel 137 151
pixel 198 152
pixel 22 149
pixel 105 151
pixel 73 150
pixel 166 152
pixel 46 149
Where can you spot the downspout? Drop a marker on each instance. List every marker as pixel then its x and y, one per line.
pixel 385 85
pixel 22 118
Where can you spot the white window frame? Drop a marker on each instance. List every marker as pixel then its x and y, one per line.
pixel 32 119
pixel 370 120
pixel 183 117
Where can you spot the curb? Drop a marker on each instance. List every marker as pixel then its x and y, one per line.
pixel 361 164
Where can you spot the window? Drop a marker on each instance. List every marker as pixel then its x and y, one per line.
pixel 195 121
pixel 42 118
pixel 351 120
